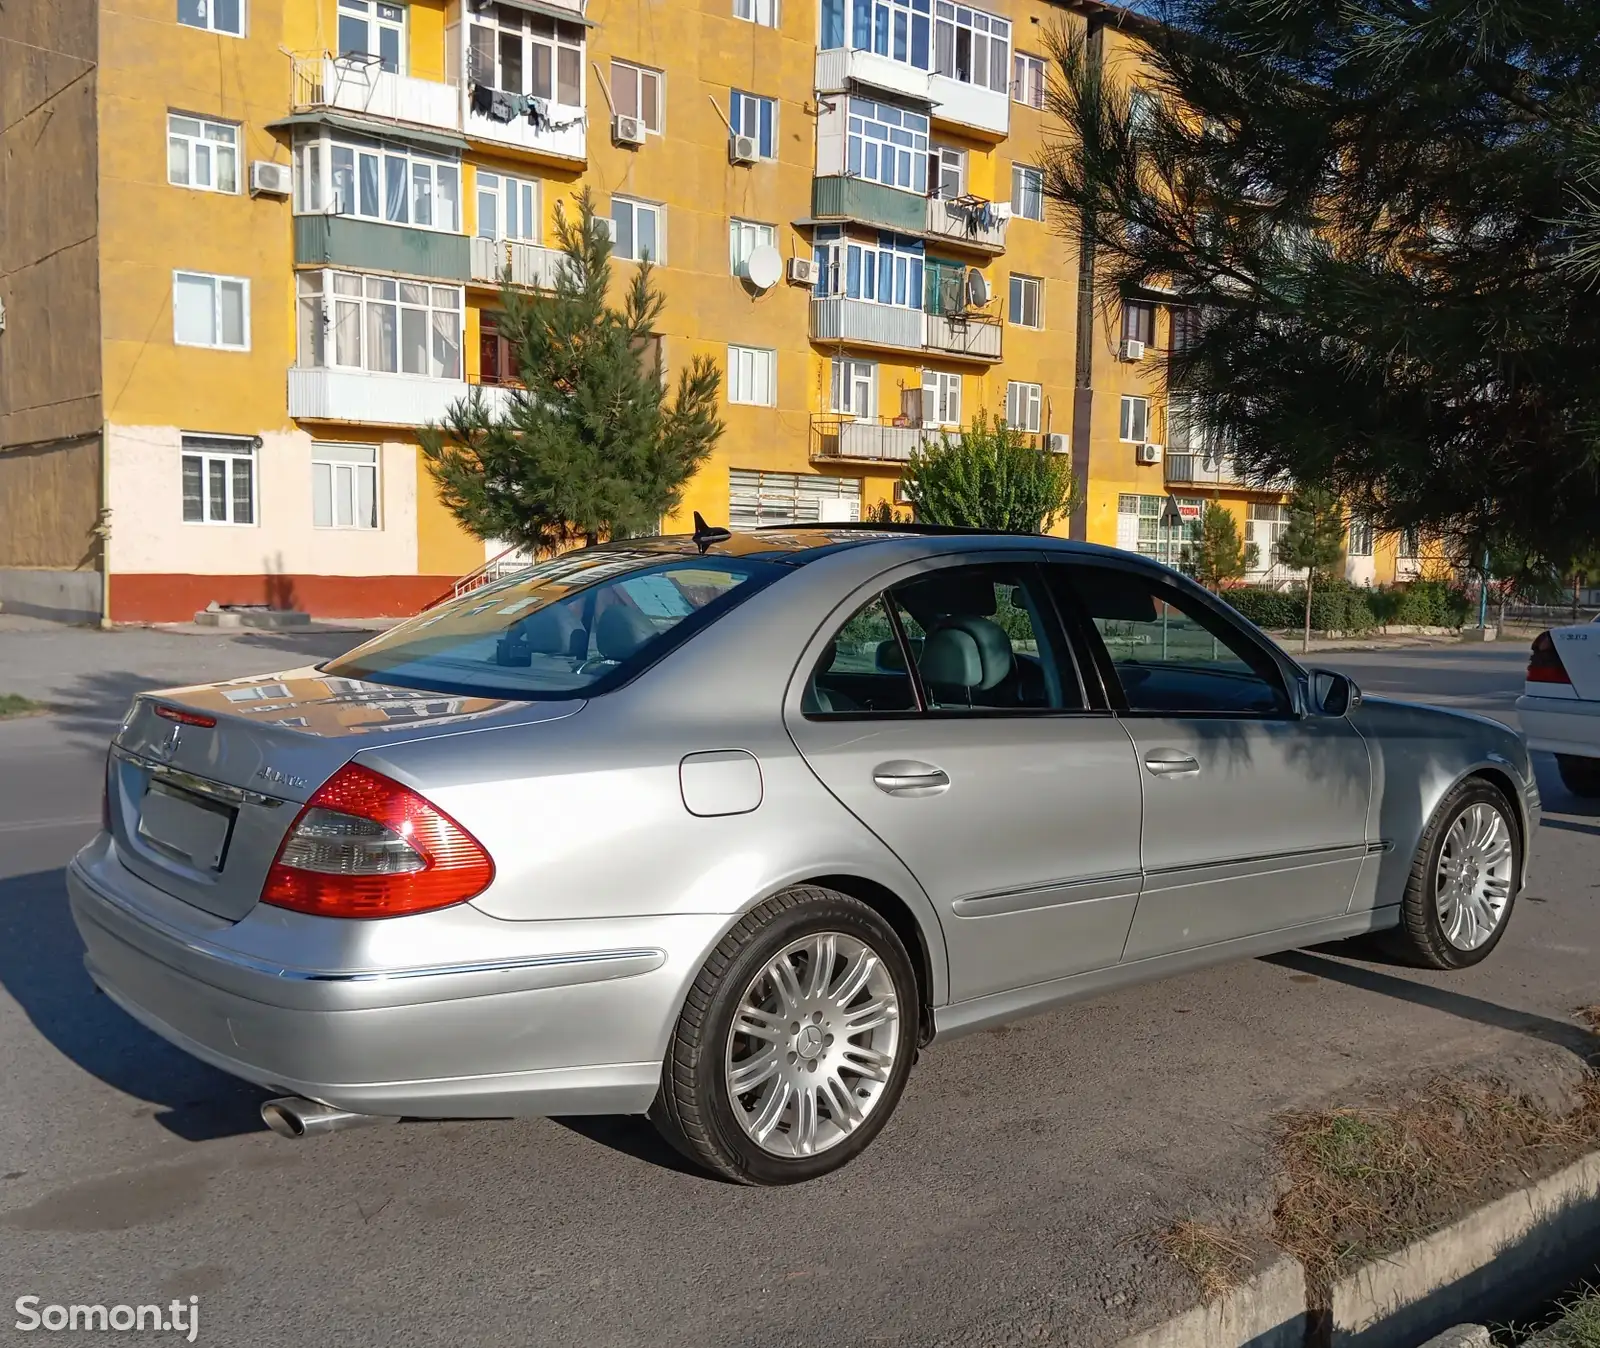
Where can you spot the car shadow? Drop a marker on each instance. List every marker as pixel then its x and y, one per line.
pixel 634 1136
pixel 41 967
pixel 1546 1029
pixel 1570 826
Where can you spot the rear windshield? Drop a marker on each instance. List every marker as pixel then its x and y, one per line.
pixel 574 626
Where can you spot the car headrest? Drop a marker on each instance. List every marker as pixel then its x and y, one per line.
pixel 994 648
pixel 621 631
pixel 549 631
pixel 951 659
pixel 888 655
pixel 829 653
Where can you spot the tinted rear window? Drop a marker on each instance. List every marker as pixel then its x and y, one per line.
pixel 574 626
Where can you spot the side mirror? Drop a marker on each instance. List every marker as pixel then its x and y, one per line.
pixel 1333 694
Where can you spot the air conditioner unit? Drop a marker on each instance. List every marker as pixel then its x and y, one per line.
pixel 901 497
pixel 627 130
pixel 743 149
pixel 1130 349
pixel 1056 443
pixel 802 271
pixel 270 180
pixel 1148 454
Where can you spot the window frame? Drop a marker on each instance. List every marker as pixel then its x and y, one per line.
pixel 1361 536
pixel 1124 421
pixel 851 367
pixel 937 167
pixel 489 330
pixel 1029 397
pixel 755 8
pixel 192 142
pixel 504 184
pixel 1024 65
pixel 208 448
pixel 637 73
pixel 333 464
pixel 766 236
pixel 1093 650
pixel 947 17
pixel 1024 176
pixel 912 140
pixel 742 104
pixel 835 250
pixel 376 25
pixel 938 384
pixel 329 301
pixel 217 280
pixel 635 205
pixel 1139 322
pixel 315 179
pixel 771 358
pixel 533 30
pixel 209 26
pixel 1018 284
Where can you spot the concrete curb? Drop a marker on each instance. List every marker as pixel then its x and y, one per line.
pixel 1269 1311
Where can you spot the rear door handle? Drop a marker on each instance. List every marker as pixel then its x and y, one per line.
pixel 908 777
pixel 1170 763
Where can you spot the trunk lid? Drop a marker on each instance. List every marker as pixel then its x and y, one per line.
pixel 199 810
pixel 1579 649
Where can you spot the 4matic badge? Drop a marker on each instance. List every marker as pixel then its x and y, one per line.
pixel 270 774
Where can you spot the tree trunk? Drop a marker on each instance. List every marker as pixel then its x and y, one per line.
pixel 1305 641
pixel 590 539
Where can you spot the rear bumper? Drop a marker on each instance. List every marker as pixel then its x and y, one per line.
pixel 542 1018
pixel 1560 725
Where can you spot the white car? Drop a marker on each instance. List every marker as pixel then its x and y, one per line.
pixel 1560 704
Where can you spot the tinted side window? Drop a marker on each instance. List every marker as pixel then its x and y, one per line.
pixel 861 669
pixel 1171 653
pixel 981 641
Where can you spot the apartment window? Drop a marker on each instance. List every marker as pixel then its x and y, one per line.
pixel 752 376
pixel 379 324
pixel 756 498
pixel 756 117
pixel 947 172
pixel 210 310
pixel 1410 544
pixel 941 398
pixel 1135 419
pixel 1027 79
pixel 219 480
pixel 373 29
pixel 1141 110
pixel 497 362
pixel 1264 525
pixel 1140 527
pixel 638 93
pixel 1139 321
pixel 898 29
pixel 1185 326
pixel 886 272
pixel 521 53
pixel 344 486
pixel 764 12
pixel 853 390
pixel 887 145
pixel 215 16
pixel 972 47
pixel 744 237
pixel 637 231
pixel 1026 301
pixel 508 208
pixel 201 154
pixel 1360 536
pixel 371 180
pixel 1022 406
pixel 1027 192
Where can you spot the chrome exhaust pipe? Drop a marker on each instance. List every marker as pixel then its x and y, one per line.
pixel 290 1116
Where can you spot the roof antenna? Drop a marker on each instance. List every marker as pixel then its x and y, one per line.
pixel 705 535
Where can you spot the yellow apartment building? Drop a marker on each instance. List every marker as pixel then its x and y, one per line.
pixel 253 246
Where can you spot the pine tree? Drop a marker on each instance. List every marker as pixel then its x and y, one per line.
pixel 990 477
pixel 1221 555
pixel 590 447
pixel 1312 541
pixel 1387 220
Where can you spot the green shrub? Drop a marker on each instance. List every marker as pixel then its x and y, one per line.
pixel 1271 609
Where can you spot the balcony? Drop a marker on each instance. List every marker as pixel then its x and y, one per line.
pixel 867 440
pixel 368 245
pixel 364 87
pixel 1188 468
pixel 531 266
pixel 970 106
pixel 841 67
pixel 371 399
pixel 966 223
pixel 837 318
pixel 559 134
pixel 843 198
pixel 971 336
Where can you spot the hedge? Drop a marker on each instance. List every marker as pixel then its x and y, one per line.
pixel 1342 607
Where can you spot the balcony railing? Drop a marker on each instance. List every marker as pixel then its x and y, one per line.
pixel 975 336
pixel 365 87
pixel 371 399
pixel 967 221
pixel 970 105
pixel 869 440
pixel 531 266
pixel 837 318
pixel 545 127
pixel 1188 468
pixel 840 67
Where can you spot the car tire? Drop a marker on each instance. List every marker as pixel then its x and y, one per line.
pixel 1581 776
pixel 811 1071
pixel 1430 934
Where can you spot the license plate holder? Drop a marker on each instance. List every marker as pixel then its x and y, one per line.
pixel 182 824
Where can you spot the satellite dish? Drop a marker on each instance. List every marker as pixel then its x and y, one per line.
pixel 977 288
pixel 764 267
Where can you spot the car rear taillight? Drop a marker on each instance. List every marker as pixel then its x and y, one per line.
pixel 1544 664
pixel 184 717
pixel 366 846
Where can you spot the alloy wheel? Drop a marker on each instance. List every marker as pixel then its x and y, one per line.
pixel 1472 885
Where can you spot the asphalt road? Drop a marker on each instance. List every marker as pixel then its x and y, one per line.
pixel 1010 1201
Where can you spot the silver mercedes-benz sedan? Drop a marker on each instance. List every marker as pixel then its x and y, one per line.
pixel 727 828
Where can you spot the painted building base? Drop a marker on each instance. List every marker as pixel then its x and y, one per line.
pixel 157 598
pixel 61 596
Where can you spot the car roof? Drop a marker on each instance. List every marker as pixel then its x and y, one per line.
pixel 796 544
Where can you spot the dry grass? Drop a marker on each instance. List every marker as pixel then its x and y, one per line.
pixel 1213 1258
pixel 14 704
pixel 1362 1183
pixel 1590 1016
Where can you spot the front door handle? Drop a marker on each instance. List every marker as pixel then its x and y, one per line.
pixel 1170 763
pixel 908 777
